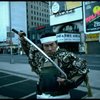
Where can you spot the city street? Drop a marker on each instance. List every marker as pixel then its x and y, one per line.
pixel 14 87
pixel 74 26
pixel 17 80
pixel 92 60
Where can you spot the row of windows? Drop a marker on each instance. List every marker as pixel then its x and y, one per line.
pixel 39 19
pixel 35 24
pixel 39 8
pixel 39 13
pixel 40 3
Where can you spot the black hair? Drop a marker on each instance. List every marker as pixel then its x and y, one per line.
pixel 48 34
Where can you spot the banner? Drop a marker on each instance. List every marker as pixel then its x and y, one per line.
pixel 91 11
pixel 68 37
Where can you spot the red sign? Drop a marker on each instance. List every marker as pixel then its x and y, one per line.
pixel 40 27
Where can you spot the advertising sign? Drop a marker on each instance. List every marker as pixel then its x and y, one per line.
pixel 65 11
pixel 62 6
pixel 91 10
pixel 68 37
pixel 73 5
pixel 92 37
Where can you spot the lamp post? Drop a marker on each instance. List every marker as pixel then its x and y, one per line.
pixel 11 58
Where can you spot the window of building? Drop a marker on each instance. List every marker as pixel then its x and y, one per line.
pixel 31 17
pixel 39 3
pixel 31 11
pixel 40 18
pixel 31 6
pixel 37 8
pixel 34 13
pixel 34 18
pixel 37 13
pixel 34 7
pixel 32 23
pixel 35 23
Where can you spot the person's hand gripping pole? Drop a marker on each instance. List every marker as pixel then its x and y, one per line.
pixel 24 36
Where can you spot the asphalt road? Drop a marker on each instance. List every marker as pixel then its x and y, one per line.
pixel 16 87
pixel 93 61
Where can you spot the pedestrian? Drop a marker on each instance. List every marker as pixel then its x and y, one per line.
pixel 51 83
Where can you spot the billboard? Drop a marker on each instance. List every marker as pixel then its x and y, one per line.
pixel 61 6
pixel 65 11
pixel 91 11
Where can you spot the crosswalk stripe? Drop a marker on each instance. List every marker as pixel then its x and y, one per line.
pixel 28 95
pixel 14 83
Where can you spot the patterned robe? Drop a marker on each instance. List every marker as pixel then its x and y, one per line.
pixel 74 67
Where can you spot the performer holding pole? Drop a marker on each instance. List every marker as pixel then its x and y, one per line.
pixel 59 70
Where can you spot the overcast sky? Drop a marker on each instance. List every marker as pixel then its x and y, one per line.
pixel 3 19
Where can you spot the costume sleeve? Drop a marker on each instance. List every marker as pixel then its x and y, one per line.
pixel 25 45
pixel 75 61
pixel 34 59
pixel 31 52
pixel 77 68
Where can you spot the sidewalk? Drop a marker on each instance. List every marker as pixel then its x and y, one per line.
pixel 24 70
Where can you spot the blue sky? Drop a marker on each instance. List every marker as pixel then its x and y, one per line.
pixel 18 18
pixel 4 19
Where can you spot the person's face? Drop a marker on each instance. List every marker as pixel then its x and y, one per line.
pixel 50 48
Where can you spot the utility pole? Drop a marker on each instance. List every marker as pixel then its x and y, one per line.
pixel 11 58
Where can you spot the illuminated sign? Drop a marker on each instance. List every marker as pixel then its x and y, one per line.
pixel 62 7
pixel 92 16
pixel 55 7
pixel 65 12
pixel 68 37
pixel 40 27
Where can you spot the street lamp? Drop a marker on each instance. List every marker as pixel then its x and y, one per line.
pixel 11 58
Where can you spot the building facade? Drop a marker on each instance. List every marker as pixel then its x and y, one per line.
pixel 25 16
pixel 91 11
pixel 66 18
pixel 37 16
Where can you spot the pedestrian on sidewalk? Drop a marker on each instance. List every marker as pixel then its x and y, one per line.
pixel 51 82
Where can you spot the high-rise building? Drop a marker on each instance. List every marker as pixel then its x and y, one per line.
pixel 38 19
pixel 22 15
pixel 37 13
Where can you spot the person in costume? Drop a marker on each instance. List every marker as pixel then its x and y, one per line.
pixel 52 83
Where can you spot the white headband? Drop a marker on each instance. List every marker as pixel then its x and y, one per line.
pixel 48 39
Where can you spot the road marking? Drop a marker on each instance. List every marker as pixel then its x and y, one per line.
pixel 14 83
pixel 5 97
pixel 5 76
pixel 28 95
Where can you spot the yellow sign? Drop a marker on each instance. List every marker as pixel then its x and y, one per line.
pixel 92 37
pixel 72 4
